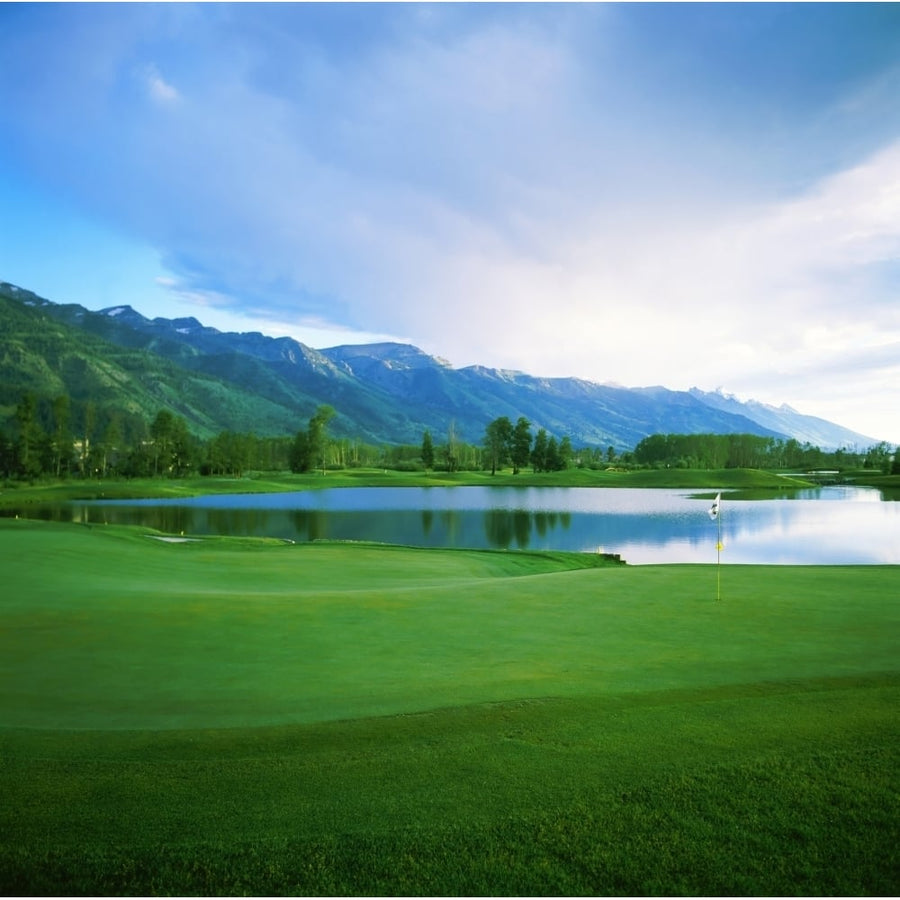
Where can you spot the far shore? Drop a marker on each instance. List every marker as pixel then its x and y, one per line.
pixel 754 481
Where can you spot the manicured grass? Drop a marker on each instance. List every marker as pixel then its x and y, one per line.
pixel 770 790
pixel 245 716
pixel 108 627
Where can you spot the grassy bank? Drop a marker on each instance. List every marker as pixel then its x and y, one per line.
pixel 16 495
pixel 244 716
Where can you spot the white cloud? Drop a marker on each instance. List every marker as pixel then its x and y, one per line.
pixel 158 88
pixel 466 194
pixel 787 301
pixel 514 188
pixel 218 310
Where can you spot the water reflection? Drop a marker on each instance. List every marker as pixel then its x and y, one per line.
pixel 836 525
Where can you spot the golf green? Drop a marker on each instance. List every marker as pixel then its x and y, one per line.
pixel 230 716
pixel 118 629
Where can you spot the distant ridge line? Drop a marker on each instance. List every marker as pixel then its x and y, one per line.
pixel 382 392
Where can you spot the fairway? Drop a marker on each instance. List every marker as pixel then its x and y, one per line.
pixel 222 716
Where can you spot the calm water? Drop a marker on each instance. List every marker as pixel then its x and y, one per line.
pixel 830 525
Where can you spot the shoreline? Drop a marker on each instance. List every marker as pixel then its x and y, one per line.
pixel 13 495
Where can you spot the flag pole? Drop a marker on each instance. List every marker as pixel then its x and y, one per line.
pixel 719 553
pixel 715 512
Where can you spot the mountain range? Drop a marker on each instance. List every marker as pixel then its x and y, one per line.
pixel 382 393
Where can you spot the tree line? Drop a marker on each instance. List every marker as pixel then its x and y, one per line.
pixel 751 451
pixel 508 444
pixel 50 437
pixel 44 438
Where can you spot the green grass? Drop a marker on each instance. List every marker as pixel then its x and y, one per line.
pixel 245 716
pixel 769 791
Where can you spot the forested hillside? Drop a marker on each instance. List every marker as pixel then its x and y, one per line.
pixel 105 380
pixel 118 369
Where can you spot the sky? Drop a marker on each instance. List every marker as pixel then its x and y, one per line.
pixel 644 194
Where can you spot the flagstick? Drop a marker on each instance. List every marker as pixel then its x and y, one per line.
pixel 715 512
pixel 719 554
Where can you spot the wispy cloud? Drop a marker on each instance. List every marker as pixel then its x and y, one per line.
pixel 664 193
pixel 157 87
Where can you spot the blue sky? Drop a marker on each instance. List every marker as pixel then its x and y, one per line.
pixel 649 194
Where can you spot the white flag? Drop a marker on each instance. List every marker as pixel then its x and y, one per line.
pixel 714 509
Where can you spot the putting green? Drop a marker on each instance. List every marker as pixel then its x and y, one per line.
pixel 109 628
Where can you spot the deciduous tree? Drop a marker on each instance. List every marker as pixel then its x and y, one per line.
pixel 520 450
pixel 308 450
pixel 62 434
pixel 565 453
pixel 496 442
pixel 427 450
pixel 539 452
pixel 30 435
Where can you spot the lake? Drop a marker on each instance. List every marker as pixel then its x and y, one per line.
pixel 826 525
